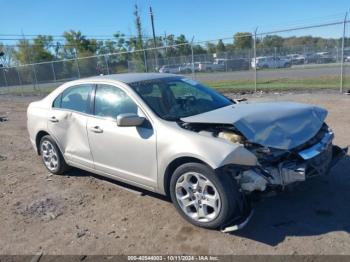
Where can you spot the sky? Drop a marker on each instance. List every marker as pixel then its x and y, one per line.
pixel 201 19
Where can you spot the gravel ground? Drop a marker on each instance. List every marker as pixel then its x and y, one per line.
pixel 80 213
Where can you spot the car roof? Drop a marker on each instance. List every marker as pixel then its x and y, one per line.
pixel 132 77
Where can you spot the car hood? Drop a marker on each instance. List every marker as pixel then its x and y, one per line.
pixel 282 125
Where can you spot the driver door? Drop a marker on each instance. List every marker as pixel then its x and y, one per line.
pixel 127 153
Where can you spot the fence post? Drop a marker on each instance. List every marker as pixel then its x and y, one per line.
pixel 35 79
pixel 145 60
pixel 192 59
pixel 255 69
pixel 5 78
pixel 342 55
pixel 106 61
pixel 76 61
pixel 53 72
pixel 19 80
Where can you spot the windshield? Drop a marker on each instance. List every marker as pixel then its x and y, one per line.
pixel 172 98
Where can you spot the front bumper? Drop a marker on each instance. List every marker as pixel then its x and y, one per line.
pixel 289 172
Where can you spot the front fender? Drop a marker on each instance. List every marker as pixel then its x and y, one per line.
pixel 215 152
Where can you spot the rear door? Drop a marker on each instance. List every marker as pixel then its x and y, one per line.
pixel 67 123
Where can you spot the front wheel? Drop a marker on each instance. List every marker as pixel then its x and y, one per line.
pixel 202 197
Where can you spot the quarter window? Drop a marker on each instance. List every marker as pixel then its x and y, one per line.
pixel 77 98
pixel 110 101
pixel 57 102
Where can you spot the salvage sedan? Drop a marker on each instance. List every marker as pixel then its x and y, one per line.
pixel 174 136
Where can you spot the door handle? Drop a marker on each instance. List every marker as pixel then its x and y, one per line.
pixel 53 119
pixel 96 129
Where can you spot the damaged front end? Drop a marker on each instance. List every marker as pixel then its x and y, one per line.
pixel 277 168
pixel 290 142
pixel 280 168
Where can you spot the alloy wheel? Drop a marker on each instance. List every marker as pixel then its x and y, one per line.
pixel 49 155
pixel 198 197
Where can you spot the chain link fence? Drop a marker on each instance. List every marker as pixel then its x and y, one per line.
pixel 266 64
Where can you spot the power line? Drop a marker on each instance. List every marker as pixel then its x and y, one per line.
pixel 62 35
pixel 200 42
pixel 12 37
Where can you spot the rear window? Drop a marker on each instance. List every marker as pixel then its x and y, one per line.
pixel 76 98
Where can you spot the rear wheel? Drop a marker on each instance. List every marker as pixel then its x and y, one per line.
pixel 202 197
pixel 51 156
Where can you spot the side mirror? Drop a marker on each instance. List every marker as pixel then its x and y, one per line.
pixel 129 119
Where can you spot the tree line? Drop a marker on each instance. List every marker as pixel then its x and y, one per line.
pixel 44 48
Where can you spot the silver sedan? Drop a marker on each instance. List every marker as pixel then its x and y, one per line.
pixel 174 136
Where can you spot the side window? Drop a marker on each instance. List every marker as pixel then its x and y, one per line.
pixel 77 98
pixel 110 101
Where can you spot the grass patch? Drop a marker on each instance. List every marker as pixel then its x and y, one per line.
pixel 279 84
pixel 275 84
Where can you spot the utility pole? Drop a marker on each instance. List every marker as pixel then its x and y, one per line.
pixel 154 38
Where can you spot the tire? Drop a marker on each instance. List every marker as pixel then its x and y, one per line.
pixel 226 194
pixel 52 156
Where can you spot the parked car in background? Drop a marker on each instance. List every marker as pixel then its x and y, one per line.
pixel 324 58
pixel 319 58
pixel 346 54
pixel 234 64
pixel 310 58
pixel 296 59
pixel 271 62
pixel 172 69
pixel 187 68
pixel 206 67
pixel 174 136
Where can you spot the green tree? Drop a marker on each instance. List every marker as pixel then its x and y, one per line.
pixel 170 41
pixel 243 40
pixel 77 45
pixel 7 59
pixel 211 48
pixel 271 41
pixel 136 43
pixel 23 53
pixel 198 50
pixel 184 47
pixel 41 49
pixel 220 47
pixel 34 52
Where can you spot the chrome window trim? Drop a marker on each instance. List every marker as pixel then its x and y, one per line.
pixel 112 83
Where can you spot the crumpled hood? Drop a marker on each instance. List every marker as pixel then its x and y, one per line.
pixel 282 125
